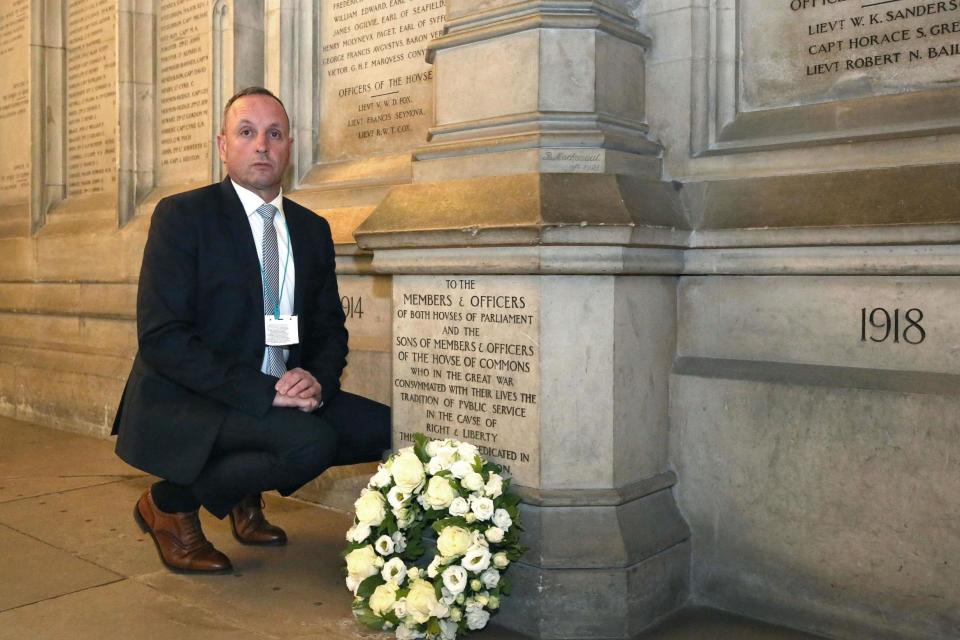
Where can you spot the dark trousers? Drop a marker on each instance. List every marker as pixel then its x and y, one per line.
pixel 288 448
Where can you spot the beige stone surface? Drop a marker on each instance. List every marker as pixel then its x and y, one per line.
pixel 376 94
pixel 829 507
pixel 811 320
pixel 293 593
pixel 34 571
pixel 466 366
pixel 124 609
pixel 15 101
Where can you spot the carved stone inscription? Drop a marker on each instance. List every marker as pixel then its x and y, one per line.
pixel 15 101
pixel 802 51
pixel 91 96
pixel 376 87
pixel 185 136
pixel 466 366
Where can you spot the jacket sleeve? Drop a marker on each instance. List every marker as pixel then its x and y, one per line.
pixel 325 355
pixel 167 334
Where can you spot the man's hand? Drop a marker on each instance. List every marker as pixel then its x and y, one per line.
pixel 297 388
pixel 304 404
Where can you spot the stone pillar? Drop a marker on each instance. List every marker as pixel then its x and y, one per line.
pixel 534 260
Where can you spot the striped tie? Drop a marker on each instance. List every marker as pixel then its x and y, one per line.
pixel 271 283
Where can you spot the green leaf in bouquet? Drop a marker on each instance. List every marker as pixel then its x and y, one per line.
pixel 353 546
pixel 438 588
pixel 510 500
pixel 420 447
pixel 368 586
pixel 505 585
pixel 413 551
pixel 443 523
pixel 368 618
pixel 514 553
pixel 433 627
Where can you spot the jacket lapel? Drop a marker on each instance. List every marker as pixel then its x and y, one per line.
pixel 241 240
pixel 298 244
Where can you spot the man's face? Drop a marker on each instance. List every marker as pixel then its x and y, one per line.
pixel 255 144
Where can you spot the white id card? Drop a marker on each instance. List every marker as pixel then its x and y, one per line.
pixel 281 331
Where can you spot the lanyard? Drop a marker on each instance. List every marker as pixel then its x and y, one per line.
pixel 283 280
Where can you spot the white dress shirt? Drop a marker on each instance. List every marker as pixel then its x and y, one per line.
pixel 251 202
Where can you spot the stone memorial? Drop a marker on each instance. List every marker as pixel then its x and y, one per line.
pixel 183 144
pixel 91 97
pixel 466 366
pixel 14 104
pixel 376 92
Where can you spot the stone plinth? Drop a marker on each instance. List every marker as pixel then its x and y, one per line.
pixel 561 379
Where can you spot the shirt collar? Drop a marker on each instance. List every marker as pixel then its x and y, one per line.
pixel 251 201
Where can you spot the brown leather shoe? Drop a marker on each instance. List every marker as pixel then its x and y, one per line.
pixel 251 527
pixel 179 539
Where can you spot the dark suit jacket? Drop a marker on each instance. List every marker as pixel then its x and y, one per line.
pixel 200 328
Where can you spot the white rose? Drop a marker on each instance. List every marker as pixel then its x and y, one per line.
pixel 460 468
pixel 448 630
pixel 456 614
pixel 490 578
pixel 446 597
pixel 361 564
pixel 358 532
pixel 384 545
pixel 382 598
pixel 433 569
pixel 353 584
pixel 467 451
pixel 455 579
pixel 394 570
pixel 407 471
pixel 370 508
pixel 408 633
pixel 500 560
pixel 400 608
pixel 502 519
pixel 439 493
pixel 477 619
pixel 438 463
pixel 493 534
pixel 404 516
pixel 453 541
pixel 494 486
pixel 478 540
pixel 381 478
pixel 482 507
pixel 413 573
pixel 459 507
pixel 476 559
pixel 472 481
pixel 399 541
pixel 397 497
pixel 422 603
pixel 483 598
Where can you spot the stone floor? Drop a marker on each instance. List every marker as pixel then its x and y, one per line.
pixel 73 565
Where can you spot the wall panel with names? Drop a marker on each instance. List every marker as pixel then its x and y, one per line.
pixel 185 137
pixel 91 96
pixel 15 102
pixel 803 51
pixel 376 89
pixel 466 366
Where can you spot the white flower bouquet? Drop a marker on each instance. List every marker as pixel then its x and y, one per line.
pixel 446 486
